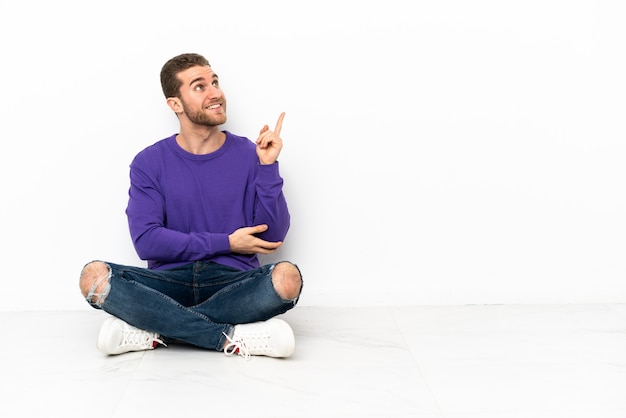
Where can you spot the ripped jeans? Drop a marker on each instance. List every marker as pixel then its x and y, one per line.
pixel 196 303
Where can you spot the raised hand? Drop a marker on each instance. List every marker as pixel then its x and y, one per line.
pixel 269 144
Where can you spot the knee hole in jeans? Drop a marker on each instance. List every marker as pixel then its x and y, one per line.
pixel 287 280
pixel 95 282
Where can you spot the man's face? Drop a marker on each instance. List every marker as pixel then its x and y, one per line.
pixel 201 96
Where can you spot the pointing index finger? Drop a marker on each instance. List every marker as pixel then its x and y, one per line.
pixel 279 124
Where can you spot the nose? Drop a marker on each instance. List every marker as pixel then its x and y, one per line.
pixel 214 91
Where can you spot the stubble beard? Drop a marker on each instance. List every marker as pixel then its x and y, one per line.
pixel 200 118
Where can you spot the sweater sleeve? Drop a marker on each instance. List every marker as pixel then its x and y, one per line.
pixel 271 205
pixel 152 240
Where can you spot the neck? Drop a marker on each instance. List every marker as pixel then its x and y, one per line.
pixel 204 141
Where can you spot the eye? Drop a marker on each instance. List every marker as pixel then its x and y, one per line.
pixel 215 83
pixel 199 87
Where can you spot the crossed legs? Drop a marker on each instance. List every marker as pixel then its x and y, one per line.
pixel 95 284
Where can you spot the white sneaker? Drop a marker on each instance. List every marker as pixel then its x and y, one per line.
pixel 272 338
pixel 117 337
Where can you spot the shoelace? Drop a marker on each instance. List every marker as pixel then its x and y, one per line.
pixel 236 347
pixel 141 338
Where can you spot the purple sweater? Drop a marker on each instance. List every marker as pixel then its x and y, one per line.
pixel 183 206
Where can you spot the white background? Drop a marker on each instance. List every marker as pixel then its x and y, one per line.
pixel 436 152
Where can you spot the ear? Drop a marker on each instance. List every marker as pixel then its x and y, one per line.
pixel 175 104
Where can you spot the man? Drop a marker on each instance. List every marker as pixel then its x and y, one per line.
pixel 203 204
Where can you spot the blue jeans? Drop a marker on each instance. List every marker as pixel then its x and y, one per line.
pixel 196 303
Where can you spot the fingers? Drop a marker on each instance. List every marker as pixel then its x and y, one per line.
pixel 267 247
pixel 245 241
pixel 279 124
pixel 257 229
pixel 260 245
pixel 269 142
pixel 262 139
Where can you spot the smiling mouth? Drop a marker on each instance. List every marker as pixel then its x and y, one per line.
pixel 214 106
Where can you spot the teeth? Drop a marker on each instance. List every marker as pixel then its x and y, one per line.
pixel 215 106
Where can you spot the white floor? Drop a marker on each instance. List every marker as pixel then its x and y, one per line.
pixel 453 362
